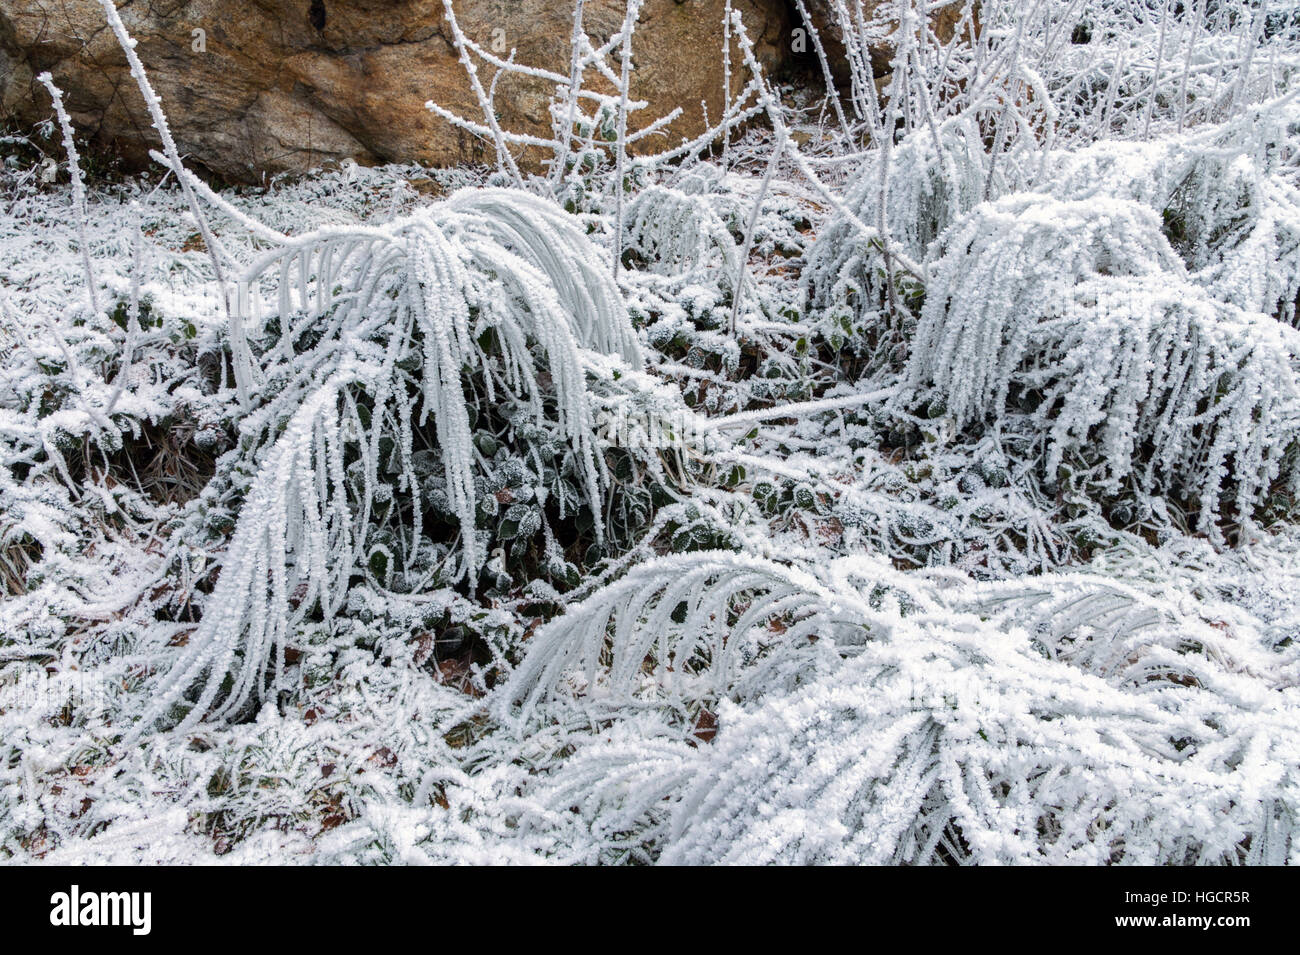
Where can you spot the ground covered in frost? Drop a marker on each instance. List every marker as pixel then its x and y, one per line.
pixel 809 494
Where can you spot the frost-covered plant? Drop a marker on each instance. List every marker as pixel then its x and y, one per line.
pixel 846 280
pixel 701 618
pixel 1127 69
pixel 343 526
pixel 933 181
pixel 680 235
pixel 379 331
pixel 1002 269
pixel 1080 314
pixel 590 111
pixel 916 753
pixel 1139 634
pixel 980 114
pixel 1227 196
pixel 913 720
pixel 78 187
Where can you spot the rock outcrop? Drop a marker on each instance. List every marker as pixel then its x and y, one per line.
pixel 255 87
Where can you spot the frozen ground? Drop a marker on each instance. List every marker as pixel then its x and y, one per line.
pixel 965 532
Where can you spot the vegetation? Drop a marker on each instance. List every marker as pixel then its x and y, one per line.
pixel 905 476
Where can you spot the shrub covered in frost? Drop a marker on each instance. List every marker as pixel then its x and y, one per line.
pixel 1227 197
pixel 930 181
pixel 386 341
pixel 819 489
pixel 866 716
pixel 1080 315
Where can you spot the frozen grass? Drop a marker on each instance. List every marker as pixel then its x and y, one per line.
pixel 828 497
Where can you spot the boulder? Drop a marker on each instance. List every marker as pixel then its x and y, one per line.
pixel 257 87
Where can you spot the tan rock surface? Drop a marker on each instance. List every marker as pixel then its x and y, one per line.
pixel 288 85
